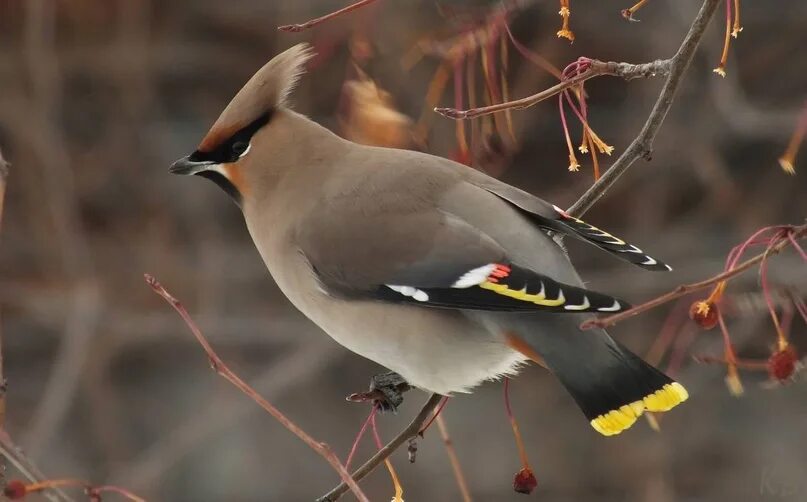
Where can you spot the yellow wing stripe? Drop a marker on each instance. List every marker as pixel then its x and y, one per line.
pixel 664 399
pixel 536 298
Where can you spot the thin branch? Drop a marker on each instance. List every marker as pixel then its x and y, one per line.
pixel 295 28
pixel 92 491
pixel 26 467
pixel 642 145
pixel 596 68
pixel 455 461
pixel 797 232
pixel 299 367
pixel 409 432
pixel 8 449
pixel 220 368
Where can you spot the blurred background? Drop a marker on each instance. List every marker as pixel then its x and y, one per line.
pixel 105 382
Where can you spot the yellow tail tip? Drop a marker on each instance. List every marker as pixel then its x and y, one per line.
pixel 664 399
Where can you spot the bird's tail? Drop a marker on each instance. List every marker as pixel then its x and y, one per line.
pixel 611 385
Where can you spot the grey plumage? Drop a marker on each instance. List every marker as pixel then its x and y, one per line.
pixel 364 240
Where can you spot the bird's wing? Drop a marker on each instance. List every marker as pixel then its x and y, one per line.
pixel 553 218
pixel 430 258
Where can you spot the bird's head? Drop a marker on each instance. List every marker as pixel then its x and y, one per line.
pixel 251 127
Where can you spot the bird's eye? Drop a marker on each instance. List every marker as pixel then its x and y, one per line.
pixel 240 147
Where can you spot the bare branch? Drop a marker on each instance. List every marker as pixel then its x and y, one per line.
pixel 455 461
pixel 92 491
pixel 24 465
pixel 221 368
pixel 642 145
pixel 794 234
pixel 409 432
pixel 295 28
pixel 8 449
pixel 597 68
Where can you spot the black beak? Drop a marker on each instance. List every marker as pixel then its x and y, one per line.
pixel 186 166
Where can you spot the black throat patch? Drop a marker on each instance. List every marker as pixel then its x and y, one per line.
pixel 223 183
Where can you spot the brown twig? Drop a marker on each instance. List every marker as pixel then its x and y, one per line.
pixel 221 368
pixel 797 232
pixel 26 467
pixel 295 28
pixel 642 145
pixel 157 459
pixel 93 492
pixel 455 461
pixel 597 68
pixel 409 432
pixel 628 13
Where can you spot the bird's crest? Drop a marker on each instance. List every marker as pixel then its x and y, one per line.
pixel 267 90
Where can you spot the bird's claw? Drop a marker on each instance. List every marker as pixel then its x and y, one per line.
pixel 386 392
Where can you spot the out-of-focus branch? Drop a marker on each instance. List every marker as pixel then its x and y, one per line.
pixel 642 145
pixel 8 449
pixel 596 68
pixel 294 28
pixel 455 461
pixel 224 371
pixel 301 367
pixel 409 432
pixel 16 490
pixel 26 467
pixel 795 233
pixel 38 125
pixel 3 176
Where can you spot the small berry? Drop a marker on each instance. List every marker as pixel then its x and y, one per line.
pixel 525 481
pixel 704 312
pixel 782 364
pixel 15 490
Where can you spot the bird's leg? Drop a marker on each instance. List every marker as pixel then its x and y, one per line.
pixel 386 391
pixel 392 386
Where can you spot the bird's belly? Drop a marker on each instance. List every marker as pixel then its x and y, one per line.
pixel 436 350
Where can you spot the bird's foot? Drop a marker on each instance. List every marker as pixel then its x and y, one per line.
pixel 386 391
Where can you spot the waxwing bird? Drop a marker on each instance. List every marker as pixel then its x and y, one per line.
pixel 432 269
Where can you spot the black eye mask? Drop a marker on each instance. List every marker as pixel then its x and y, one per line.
pixel 235 146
